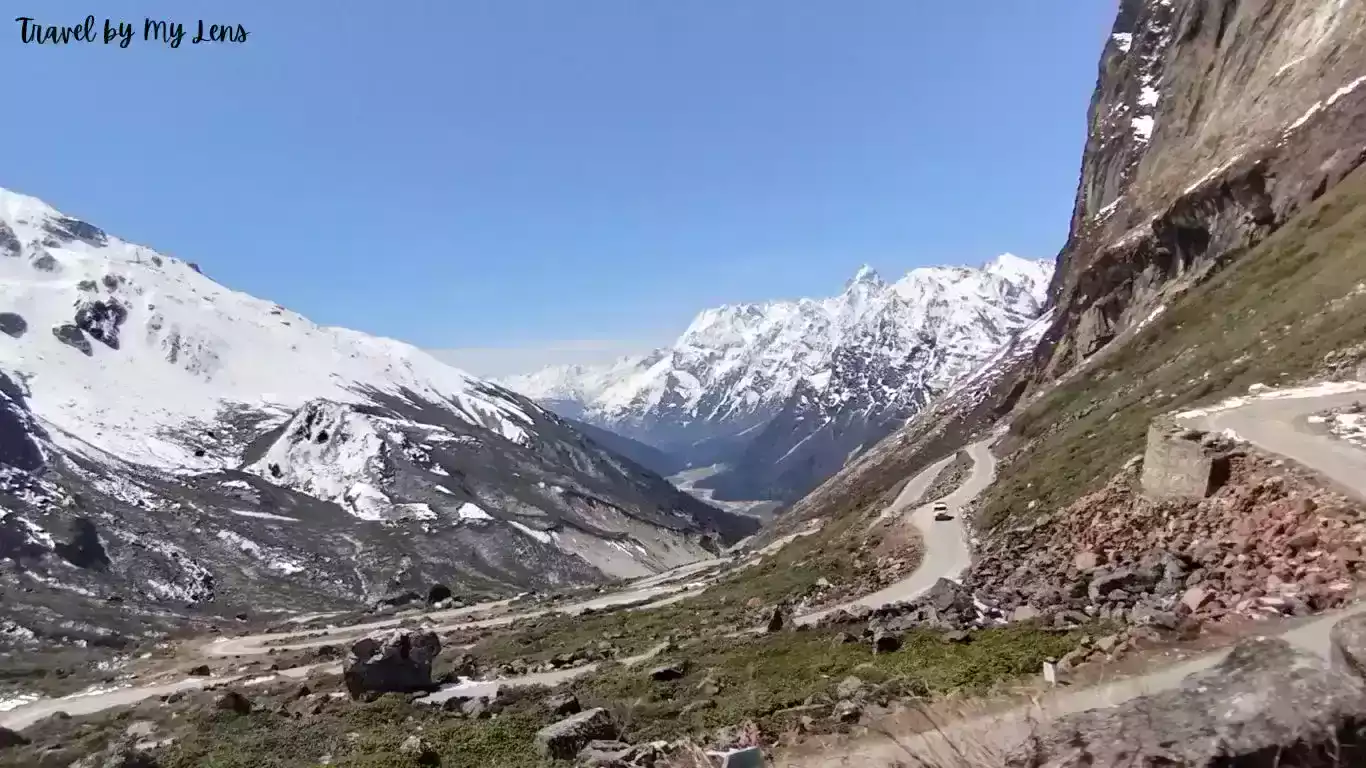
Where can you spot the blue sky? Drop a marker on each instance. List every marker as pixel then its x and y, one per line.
pixel 534 181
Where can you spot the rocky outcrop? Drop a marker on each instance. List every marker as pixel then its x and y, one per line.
pixel 564 739
pixel 1183 463
pixel 1213 122
pixel 1267 703
pixel 396 662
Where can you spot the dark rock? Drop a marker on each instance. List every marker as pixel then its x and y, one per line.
pixel 84 550
pixel 13 324
pixel 1292 709
pixel 843 638
pixel 564 739
pixel 232 701
pixel 668 672
pixel 73 337
pixel 437 593
pixel 397 662
pixel 885 641
pixel 102 319
pixel 1106 581
pixel 957 636
pixel 44 261
pixel 947 596
pixel 201 670
pixel 10 739
pixel 563 704
pixel 776 620
pixel 67 229
pixel 9 242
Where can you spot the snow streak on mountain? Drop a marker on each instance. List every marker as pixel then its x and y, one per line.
pixel 785 392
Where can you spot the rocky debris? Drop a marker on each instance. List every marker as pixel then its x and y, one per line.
pixel 1347 644
pixel 124 754
pixel 667 672
pixel 1269 542
pixel 1266 703
pixel 564 739
pixel 13 324
pixel 73 337
pixel 201 670
pixel 9 739
pixel 397 662
pixel 417 749
pixel 617 754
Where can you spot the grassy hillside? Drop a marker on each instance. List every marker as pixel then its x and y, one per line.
pixel 1271 317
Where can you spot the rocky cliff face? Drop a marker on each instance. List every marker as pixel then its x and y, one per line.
pixel 1212 123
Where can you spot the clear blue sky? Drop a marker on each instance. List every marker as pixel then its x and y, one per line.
pixel 525 173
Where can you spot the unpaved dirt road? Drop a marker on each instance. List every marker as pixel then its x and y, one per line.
pixel 945 546
pixel 1279 423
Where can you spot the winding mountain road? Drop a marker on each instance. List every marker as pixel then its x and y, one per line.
pixel 1276 422
pixel 945 545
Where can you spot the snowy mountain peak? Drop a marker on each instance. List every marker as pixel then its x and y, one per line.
pixel 865 275
pixel 874 348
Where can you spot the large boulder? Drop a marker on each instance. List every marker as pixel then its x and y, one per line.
pixel 1268 703
pixel 397 662
pixel 562 740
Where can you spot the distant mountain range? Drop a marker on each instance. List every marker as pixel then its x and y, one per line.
pixel 785 392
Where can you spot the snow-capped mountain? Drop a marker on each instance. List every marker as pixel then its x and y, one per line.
pixel 785 392
pixel 215 443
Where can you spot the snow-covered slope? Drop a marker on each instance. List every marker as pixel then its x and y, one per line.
pixel 125 348
pixel 160 406
pixel 786 391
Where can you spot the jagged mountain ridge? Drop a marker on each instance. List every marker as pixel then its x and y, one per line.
pixel 219 448
pixel 786 391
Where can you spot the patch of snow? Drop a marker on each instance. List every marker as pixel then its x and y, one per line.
pixel 1124 40
pixel 540 536
pixel 17 700
pixel 1148 97
pixel 1322 105
pixel 263 515
pixel 1296 393
pixel 271 560
pixel 1207 178
pixel 1143 127
pixel 470 511
pixel 1153 315
pixel 417 511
